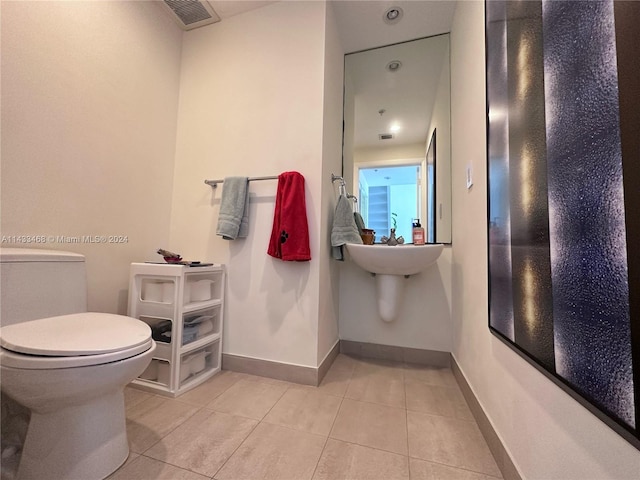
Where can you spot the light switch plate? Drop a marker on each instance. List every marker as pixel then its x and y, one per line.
pixel 469 177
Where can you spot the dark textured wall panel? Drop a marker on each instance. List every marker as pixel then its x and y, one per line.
pixel 627 20
pixel 563 158
pixel 532 301
pixel 588 245
pixel 501 298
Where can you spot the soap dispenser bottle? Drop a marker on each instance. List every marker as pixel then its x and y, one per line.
pixel 418 233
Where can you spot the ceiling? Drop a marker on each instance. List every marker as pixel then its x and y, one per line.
pixel 229 8
pixel 360 23
pixel 403 99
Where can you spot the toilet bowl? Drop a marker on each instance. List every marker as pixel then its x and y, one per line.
pixel 70 371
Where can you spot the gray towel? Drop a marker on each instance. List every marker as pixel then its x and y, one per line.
pixel 233 220
pixel 359 222
pixel 344 228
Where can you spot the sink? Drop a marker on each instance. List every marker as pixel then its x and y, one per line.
pixel 391 266
pixel 398 260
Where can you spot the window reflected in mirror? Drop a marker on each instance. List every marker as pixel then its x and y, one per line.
pixel 390 198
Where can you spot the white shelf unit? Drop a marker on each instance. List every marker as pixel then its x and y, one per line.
pixel 184 307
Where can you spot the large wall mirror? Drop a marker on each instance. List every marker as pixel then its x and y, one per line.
pixel 397 140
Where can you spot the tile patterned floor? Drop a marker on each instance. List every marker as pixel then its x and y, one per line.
pixel 368 420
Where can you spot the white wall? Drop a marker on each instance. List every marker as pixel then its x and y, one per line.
pixel 89 107
pixel 376 154
pixel 547 433
pixel 252 99
pixel 331 163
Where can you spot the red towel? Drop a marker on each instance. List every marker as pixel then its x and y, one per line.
pixel 290 233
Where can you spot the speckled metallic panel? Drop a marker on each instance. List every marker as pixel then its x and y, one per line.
pixel 501 297
pixel 532 300
pixel 563 105
pixel 588 245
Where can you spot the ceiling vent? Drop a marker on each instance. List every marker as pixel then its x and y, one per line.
pixel 385 136
pixel 190 14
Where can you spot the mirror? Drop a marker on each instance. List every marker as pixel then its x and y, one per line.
pixel 396 110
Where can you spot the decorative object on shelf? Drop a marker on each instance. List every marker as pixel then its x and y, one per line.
pixel 368 236
pixel 169 257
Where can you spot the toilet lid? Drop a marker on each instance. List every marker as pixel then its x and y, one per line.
pixel 78 334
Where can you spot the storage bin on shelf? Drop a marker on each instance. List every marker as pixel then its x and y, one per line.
pixel 198 362
pixel 184 307
pixel 201 323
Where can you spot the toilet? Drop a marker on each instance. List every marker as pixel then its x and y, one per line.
pixel 67 366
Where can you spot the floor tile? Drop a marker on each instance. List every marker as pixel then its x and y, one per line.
pixel 204 442
pixel 270 381
pixel 212 388
pixel 377 386
pixel 346 461
pixel 369 419
pixel 421 470
pixel 153 418
pixel 336 381
pixel 305 409
pixel 450 441
pixel 371 425
pixel 248 399
pixel 440 377
pixel 344 361
pixel 133 396
pixel 274 452
pixel 369 366
pixel 143 468
pixel 132 456
pixel 446 401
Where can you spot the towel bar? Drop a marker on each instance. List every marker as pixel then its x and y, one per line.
pixel 214 183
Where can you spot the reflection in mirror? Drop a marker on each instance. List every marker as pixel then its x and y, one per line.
pixel 395 98
pixel 431 189
pixel 390 198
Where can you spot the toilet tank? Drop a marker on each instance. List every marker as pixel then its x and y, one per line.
pixel 40 283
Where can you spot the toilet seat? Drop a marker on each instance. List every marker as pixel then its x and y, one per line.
pixel 75 340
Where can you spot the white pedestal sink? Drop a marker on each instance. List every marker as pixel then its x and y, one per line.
pixel 391 265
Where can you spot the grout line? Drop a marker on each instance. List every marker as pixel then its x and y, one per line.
pixel 342 397
pixel 326 440
pixel 173 465
pixel 259 421
pixel 456 467
pixel 170 431
pixel 237 448
pixel 406 418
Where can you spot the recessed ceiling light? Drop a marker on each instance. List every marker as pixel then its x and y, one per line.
pixel 392 15
pixel 394 128
pixel 394 65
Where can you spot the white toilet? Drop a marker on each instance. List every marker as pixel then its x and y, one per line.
pixel 67 366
